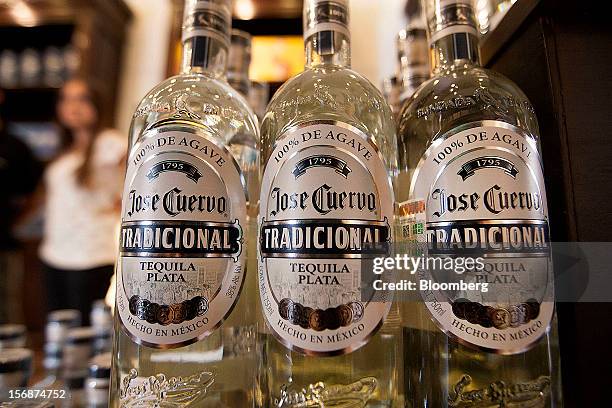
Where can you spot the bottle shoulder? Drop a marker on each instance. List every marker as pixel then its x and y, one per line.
pixel 342 77
pixel 456 98
pixel 333 94
pixel 198 100
pixel 329 92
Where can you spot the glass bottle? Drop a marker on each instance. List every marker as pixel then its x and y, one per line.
pixel 258 97
pixel 392 89
pixel 413 59
pixel 239 62
pixel 15 370
pixel 471 185
pixel 12 336
pixel 328 150
pixel 59 324
pixel 191 191
pixel 97 383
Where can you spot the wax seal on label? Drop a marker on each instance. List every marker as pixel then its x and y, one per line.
pixel 191 309
pixel 317 320
pixel 500 318
pixel 294 313
pixel 304 320
pixel 484 316
pixel 133 304
pixel 533 308
pixel 151 313
pixel 517 315
pixel 345 314
pixel 201 305
pixel 178 313
pixel 331 318
pixel 141 308
pixel 283 308
pixel 472 310
pixel 357 309
pixel 164 315
pixel 458 308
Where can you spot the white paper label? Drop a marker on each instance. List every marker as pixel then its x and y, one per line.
pixel 181 263
pixel 484 195
pixel 326 201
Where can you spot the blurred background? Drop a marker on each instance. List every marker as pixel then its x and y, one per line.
pixel 73 71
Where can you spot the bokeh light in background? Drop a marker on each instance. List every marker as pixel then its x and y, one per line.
pixel 274 59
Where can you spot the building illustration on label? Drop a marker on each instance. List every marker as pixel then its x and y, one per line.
pixel 181 239
pixel 483 195
pixel 325 205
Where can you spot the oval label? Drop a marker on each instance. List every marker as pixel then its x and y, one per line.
pixel 181 265
pixel 326 203
pixel 481 190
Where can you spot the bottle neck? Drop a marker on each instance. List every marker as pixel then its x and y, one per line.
pixel 327 38
pixel 455 51
pixel 453 34
pixel 239 62
pixel 328 48
pixel 204 55
pixel 206 37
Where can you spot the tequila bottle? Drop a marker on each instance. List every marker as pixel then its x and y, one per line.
pixel 413 58
pixel 328 147
pixel 392 89
pixel 183 330
pixel 239 62
pixel 471 185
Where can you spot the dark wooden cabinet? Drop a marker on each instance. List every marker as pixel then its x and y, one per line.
pixel 94 28
pixel 559 53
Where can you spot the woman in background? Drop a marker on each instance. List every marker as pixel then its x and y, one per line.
pixel 82 205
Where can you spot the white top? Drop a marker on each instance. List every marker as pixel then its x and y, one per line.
pixel 82 223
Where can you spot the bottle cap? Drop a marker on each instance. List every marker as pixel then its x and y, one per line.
pixel 325 15
pixel 18 359
pixel 12 331
pixel 446 17
pixel 70 317
pixel 81 335
pixel 55 332
pixel 208 18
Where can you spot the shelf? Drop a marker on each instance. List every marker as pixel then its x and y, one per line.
pixel 33 89
pixel 496 39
